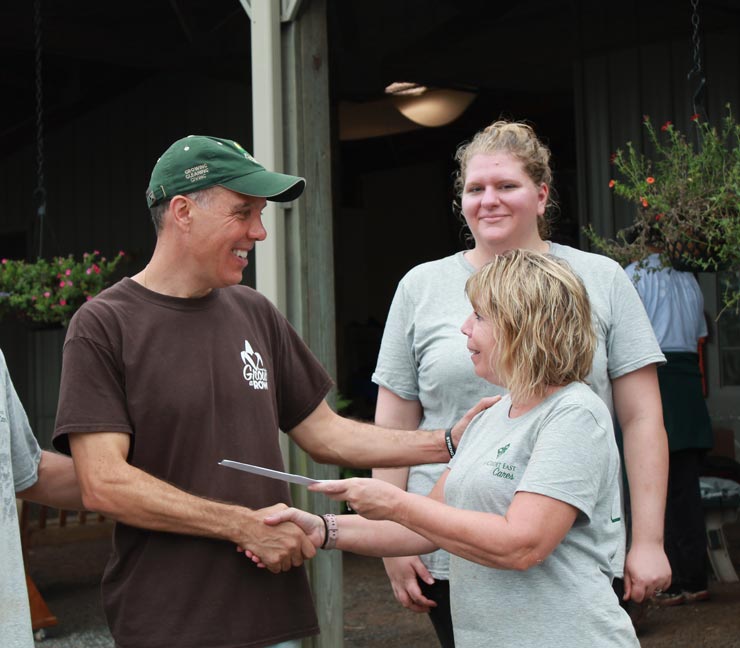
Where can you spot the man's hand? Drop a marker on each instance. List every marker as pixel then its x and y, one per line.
pixel 403 573
pixel 645 571
pixel 280 547
pixel 462 424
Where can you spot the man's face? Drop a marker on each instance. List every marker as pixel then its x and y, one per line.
pixel 223 231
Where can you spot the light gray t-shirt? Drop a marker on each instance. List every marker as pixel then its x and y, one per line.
pixel 423 355
pixel 565 449
pixel 19 458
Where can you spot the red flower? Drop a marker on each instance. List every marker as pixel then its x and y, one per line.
pixel 658 216
pixel 611 184
pixel 62 302
pixel 650 180
pixel 695 117
pixel 666 126
pixel 644 201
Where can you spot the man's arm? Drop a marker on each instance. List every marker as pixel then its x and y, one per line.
pixel 113 487
pixel 638 407
pixel 56 485
pixel 330 438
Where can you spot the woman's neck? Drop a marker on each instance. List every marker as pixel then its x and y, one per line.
pixel 522 407
pixel 482 254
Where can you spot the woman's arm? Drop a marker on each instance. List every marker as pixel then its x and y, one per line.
pixel 531 529
pixel 639 411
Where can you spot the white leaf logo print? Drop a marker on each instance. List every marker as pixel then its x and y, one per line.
pixel 254 371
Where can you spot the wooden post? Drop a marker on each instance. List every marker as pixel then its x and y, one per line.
pixel 310 261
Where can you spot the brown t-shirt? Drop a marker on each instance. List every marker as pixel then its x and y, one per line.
pixel 193 381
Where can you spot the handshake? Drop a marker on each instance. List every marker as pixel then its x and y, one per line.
pixel 281 537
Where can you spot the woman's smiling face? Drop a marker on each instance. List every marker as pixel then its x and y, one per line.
pixel 501 204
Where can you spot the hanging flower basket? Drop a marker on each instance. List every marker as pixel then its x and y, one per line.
pixel 687 199
pixel 48 292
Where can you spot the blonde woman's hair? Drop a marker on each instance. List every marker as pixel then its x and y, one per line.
pixel 541 320
pixel 518 140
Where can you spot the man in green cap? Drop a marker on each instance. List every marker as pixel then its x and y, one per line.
pixel 178 367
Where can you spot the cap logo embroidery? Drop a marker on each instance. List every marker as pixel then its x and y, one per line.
pixel 196 173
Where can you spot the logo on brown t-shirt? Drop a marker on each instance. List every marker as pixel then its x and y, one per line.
pixel 254 371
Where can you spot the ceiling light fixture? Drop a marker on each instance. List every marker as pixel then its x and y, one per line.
pixel 429 107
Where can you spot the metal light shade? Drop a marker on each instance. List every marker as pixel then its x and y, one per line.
pixel 434 107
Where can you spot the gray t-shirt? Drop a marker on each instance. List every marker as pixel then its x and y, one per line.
pixel 19 459
pixel 423 355
pixel 565 449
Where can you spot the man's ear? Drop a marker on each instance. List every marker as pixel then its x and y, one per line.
pixel 181 208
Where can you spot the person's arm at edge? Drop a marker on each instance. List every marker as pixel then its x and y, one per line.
pixel 639 411
pixel 113 487
pixel 56 484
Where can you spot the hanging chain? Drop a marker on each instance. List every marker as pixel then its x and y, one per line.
pixel 40 191
pixel 698 98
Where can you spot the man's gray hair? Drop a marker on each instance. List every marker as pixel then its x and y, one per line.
pixel 201 198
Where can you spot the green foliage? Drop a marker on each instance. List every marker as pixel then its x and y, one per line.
pixel 687 199
pixel 50 291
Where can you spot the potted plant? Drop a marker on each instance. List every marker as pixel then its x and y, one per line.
pixel 48 292
pixel 687 199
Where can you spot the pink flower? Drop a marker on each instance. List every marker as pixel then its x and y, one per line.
pixel 62 302
pixel 33 297
pixel 88 271
pixel 5 261
pixel 47 294
pixel 68 272
pixel 121 253
pixel 88 298
pixel 96 252
pixel 62 284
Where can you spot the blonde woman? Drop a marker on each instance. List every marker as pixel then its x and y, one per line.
pixel 423 374
pixel 529 507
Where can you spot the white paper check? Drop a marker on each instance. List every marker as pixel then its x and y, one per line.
pixel 268 472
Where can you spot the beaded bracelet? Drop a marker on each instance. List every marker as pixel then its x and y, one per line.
pixel 331 531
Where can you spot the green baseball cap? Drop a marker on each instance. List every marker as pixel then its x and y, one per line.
pixel 198 162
